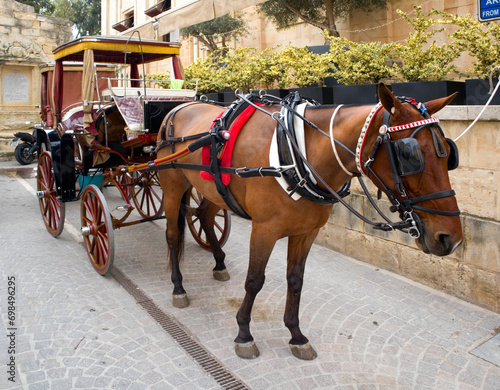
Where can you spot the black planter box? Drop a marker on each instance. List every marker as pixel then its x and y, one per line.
pixel 356 94
pixel 278 92
pixel 229 96
pixel 424 91
pixel 214 96
pixel 323 95
pixel 476 92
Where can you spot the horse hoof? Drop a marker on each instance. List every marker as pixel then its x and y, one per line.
pixel 247 350
pixel 303 352
pixel 180 300
pixel 221 276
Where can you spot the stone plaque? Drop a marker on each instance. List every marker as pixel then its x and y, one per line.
pixel 16 87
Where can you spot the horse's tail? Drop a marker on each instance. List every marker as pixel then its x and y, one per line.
pixel 181 225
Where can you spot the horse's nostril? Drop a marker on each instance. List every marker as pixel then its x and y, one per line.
pixel 445 241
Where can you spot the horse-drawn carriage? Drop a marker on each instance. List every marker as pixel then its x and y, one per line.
pixel 282 163
pixel 93 123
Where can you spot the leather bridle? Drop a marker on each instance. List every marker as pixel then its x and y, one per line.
pixel 408 204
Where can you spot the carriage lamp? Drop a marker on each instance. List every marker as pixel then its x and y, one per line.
pixel 148 149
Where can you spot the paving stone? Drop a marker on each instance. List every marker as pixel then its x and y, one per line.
pixel 372 329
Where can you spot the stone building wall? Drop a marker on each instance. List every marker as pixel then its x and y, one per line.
pixel 471 273
pixel 26 41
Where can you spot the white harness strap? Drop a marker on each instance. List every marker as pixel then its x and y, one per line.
pixel 332 140
pixel 300 137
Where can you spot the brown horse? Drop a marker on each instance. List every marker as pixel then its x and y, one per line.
pixel 275 214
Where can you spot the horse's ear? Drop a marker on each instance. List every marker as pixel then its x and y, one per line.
pixel 391 104
pixel 434 106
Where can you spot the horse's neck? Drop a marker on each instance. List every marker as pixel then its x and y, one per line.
pixel 347 126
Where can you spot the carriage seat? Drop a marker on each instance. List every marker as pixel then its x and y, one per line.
pixel 166 94
pixel 72 119
pixel 130 102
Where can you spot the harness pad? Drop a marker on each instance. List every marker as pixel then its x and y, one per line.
pixel 287 157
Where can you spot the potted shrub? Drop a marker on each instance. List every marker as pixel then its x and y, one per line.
pixel 273 73
pixel 239 71
pixel 307 71
pixel 425 66
pixel 358 67
pixel 208 75
pixel 482 42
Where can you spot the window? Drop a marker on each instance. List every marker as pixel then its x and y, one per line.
pixel 126 23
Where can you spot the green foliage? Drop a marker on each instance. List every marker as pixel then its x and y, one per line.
pixel 63 9
pixel 302 67
pixel 163 79
pixel 206 72
pixel 45 7
pixel 359 62
pixel 248 69
pixel 480 40
pixel 319 13
pixel 87 16
pixel 216 31
pixel 423 61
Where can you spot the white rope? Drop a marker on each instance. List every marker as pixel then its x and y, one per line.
pixel 480 113
pixel 332 140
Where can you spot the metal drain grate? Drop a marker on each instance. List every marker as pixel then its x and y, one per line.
pixel 206 360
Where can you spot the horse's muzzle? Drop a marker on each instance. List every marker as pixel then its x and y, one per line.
pixel 440 245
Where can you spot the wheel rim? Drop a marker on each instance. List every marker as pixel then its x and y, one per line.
pixel 97 229
pixel 120 213
pixel 125 181
pixel 147 195
pixel 52 209
pixel 222 224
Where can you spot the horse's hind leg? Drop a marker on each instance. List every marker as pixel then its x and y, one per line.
pixel 175 211
pixel 206 213
pixel 298 249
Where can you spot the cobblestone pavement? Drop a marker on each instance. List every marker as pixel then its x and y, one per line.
pixel 75 329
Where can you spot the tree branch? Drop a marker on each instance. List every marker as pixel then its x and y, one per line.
pixel 313 22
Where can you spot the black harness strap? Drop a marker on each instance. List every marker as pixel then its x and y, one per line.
pixel 171 140
pixel 217 142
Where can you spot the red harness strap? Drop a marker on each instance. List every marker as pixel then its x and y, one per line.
pixel 227 151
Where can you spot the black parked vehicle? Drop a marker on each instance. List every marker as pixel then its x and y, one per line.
pixel 26 147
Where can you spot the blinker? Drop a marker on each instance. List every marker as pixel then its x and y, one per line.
pixel 453 159
pixel 408 156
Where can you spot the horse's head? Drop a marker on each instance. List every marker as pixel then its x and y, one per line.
pixel 409 161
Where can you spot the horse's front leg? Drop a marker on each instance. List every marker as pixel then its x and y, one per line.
pixel 261 246
pixel 298 249
pixel 206 214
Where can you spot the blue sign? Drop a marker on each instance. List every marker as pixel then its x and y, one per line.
pixel 488 10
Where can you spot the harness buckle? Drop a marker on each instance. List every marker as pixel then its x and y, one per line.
pixel 413 230
pixel 239 171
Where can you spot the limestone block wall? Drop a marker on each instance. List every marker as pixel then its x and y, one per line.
pixel 26 41
pixel 471 273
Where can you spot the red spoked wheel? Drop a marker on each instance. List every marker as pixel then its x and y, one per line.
pixel 121 184
pixel 147 194
pixel 125 181
pixel 97 229
pixel 222 224
pixel 53 210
